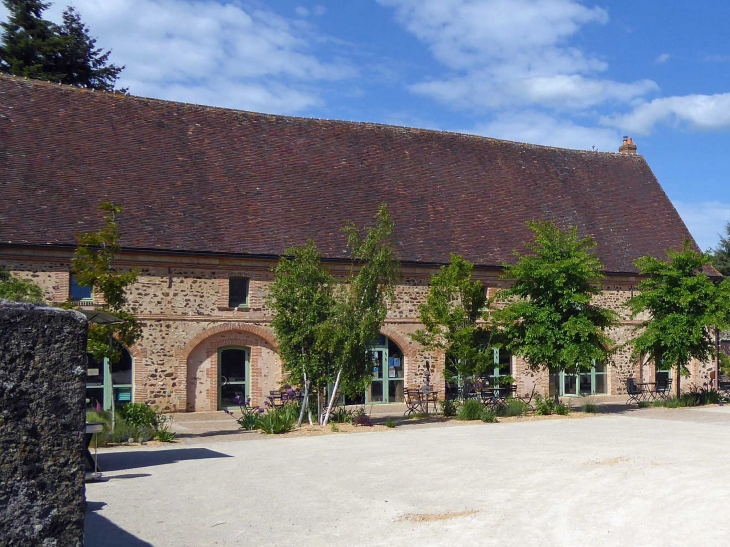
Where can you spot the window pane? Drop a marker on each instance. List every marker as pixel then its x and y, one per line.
pixel 94 372
pixel 237 292
pixel 600 383
pixel 233 365
pixel 376 392
pixel 395 391
pixel 229 392
pixel 585 383
pixel 122 371
pixel 600 367
pixel 77 292
pixel 569 384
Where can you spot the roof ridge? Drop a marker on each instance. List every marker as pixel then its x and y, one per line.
pixel 377 125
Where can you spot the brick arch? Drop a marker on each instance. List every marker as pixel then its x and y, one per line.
pixel 183 353
pixel 406 345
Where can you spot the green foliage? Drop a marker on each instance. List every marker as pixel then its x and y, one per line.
pixel 32 47
pixel 164 435
pixel 471 409
pixel 362 303
pixel 488 416
pixel 449 407
pixel 694 397
pixel 544 406
pixel 139 415
pixel 390 423
pixel 301 298
pixel 279 420
pixel 341 415
pixel 451 318
pixel 123 431
pixel 514 407
pixel 334 428
pixel 563 409
pixel 92 266
pixel 721 253
pixel 19 290
pixel 549 318
pixel 361 418
pixel 249 419
pixel 683 306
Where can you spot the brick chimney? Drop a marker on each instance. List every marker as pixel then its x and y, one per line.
pixel 628 146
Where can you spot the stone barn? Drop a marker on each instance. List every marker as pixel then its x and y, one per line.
pixel 212 197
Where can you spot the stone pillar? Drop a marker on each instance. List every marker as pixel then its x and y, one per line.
pixel 42 391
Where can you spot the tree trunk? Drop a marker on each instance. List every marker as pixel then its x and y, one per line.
pixel 679 379
pixel 557 388
pixel 305 401
pixel 332 399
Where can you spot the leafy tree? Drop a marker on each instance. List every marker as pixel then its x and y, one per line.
pixel 19 290
pixel 683 305
pixel 549 317
pixel 29 45
pixel 92 266
pixel 721 253
pixel 362 303
pixel 35 48
pixel 301 297
pixel 451 318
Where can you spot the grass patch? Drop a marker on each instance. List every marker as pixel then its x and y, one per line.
pixel 563 409
pixel 489 416
pixel 390 423
pixel 417 416
pixel 514 407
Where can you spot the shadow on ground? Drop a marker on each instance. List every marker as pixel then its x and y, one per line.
pixel 119 461
pixel 101 532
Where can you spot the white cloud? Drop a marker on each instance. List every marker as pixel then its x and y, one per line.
pixel 539 128
pixel 705 220
pixel 512 52
pixel 212 52
pixel 661 59
pixel 320 10
pixel 301 11
pixel 698 112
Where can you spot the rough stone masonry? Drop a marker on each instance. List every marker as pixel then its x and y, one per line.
pixel 42 375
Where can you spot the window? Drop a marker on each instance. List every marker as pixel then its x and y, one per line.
pixel 584 383
pixel 237 292
pixel 502 367
pixel 78 292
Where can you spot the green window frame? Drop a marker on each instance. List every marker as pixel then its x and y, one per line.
pixel 238 291
pixel 571 385
pixel 392 387
pixel 225 401
pixel 101 387
pixel 79 293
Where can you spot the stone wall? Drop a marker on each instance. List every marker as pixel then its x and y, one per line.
pixel 183 301
pixel 42 374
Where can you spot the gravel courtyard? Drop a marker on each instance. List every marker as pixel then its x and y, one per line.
pixel 651 477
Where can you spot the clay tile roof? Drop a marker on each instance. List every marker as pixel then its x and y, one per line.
pixel 201 179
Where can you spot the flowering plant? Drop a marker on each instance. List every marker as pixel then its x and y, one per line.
pixel 249 419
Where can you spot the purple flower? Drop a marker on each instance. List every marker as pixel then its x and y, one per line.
pixel 237 399
pixel 228 412
pixel 267 403
pixel 261 410
pixel 248 401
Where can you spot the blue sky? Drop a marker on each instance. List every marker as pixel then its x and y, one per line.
pixel 567 73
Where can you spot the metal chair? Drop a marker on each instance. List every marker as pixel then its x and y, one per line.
pixel 413 398
pixel 635 393
pixel 663 388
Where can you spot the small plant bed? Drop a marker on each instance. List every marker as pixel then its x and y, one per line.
pixel 135 424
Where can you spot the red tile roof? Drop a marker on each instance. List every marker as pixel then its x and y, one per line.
pixel 195 178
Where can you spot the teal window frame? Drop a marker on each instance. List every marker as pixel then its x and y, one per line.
pixel 247 381
pixel 243 304
pixel 109 389
pixel 593 374
pixel 71 283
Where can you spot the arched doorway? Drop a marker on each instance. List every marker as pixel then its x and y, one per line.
pixel 107 382
pixel 388 366
pixel 234 376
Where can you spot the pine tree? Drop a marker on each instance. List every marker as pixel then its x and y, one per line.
pixel 81 63
pixel 30 45
pixel 35 48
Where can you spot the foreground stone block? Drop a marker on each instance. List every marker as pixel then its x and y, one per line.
pixel 42 375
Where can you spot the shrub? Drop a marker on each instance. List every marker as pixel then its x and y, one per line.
pixel 544 407
pixel 514 407
pixel 390 423
pixel 139 415
pixel 449 407
pixel 341 416
pixel 334 428
pixel 563 409
pixel 589 406
pixel 489 416
pixel 361 418
pixel 249 419
pixel 645 404
pixel 470 410
pixel 123 431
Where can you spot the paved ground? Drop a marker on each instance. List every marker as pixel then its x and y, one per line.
pixel 650 477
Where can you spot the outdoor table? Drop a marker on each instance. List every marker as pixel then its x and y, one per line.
pixel 643 388
pixel 91 429
pixel 427 393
